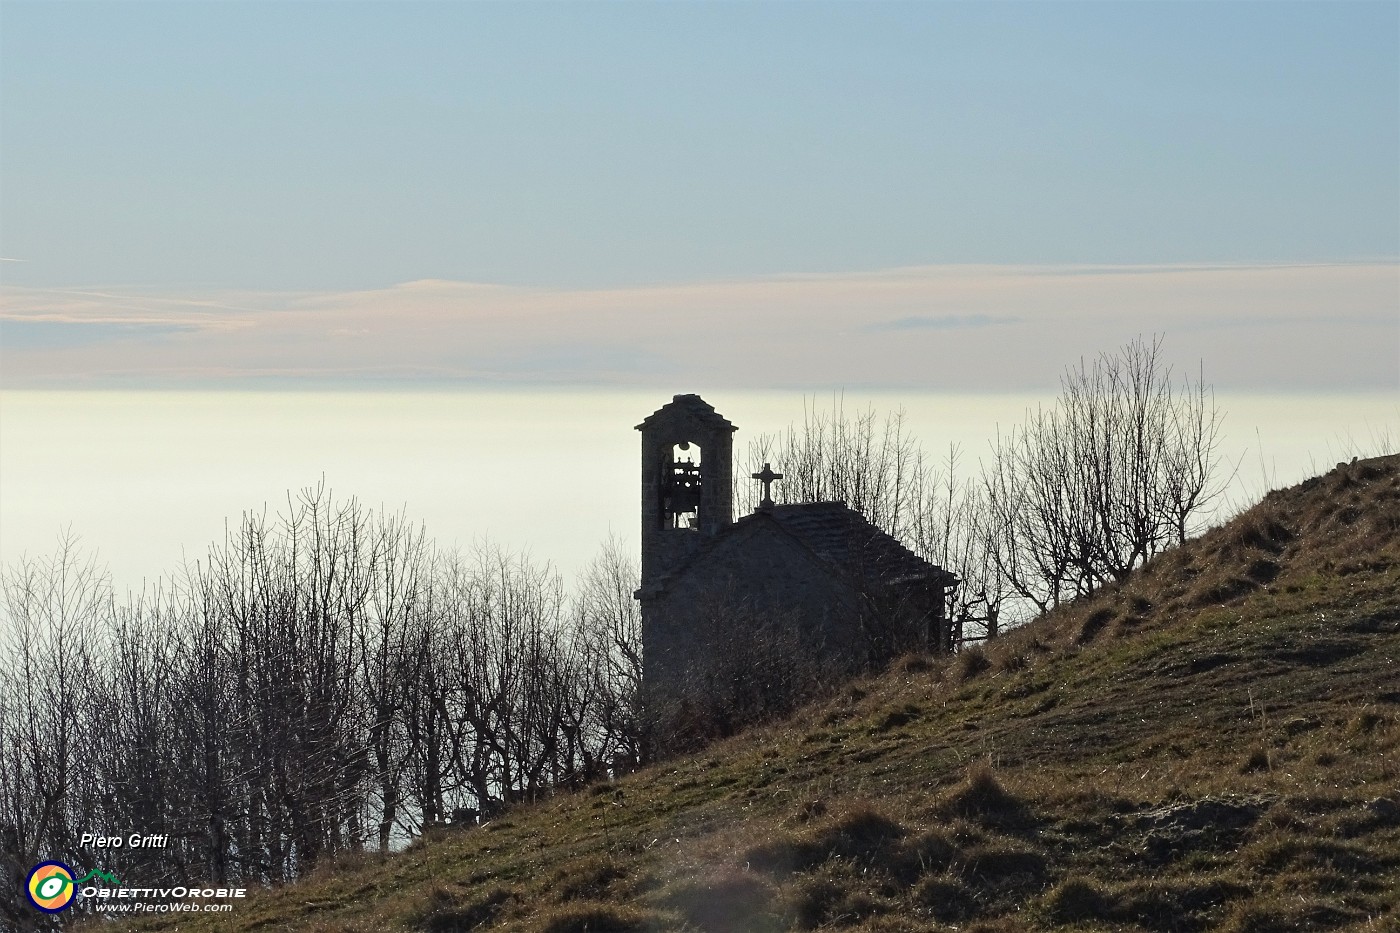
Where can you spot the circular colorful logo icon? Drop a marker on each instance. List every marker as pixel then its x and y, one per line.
pixel 50 886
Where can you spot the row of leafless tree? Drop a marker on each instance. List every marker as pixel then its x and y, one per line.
pixel 1124 464
pixel 325 681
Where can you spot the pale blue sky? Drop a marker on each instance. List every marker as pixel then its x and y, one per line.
pixel 338 146
pixel 921 197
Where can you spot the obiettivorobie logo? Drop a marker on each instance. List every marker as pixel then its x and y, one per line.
pixel 51 885
pixel 52 888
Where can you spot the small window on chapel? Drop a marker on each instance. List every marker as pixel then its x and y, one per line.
pixel 680 487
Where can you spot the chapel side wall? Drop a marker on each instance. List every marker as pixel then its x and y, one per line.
pixel 756 573
pixel 909 617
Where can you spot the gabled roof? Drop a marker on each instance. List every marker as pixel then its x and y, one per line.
pixel 842 537
pixel 839 537
pixel 691 406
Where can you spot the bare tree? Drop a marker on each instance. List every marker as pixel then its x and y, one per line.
pixel 947 526
pixel 54 608
pixel 1122 466
pixel 609 627
pixel 869 462
pixel 292 599
pixel 427 720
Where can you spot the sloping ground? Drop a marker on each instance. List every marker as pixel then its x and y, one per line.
pixel 1214 745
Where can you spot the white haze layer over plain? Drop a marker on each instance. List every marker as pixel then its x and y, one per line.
pixel 149 479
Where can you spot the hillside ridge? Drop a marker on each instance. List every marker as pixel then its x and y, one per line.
pixel 1212 744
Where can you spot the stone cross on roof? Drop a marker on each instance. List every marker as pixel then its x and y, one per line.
pixel 766 477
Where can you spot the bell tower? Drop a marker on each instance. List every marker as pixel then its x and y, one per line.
pixel 687 483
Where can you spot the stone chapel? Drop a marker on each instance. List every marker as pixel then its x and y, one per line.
pixel 830 592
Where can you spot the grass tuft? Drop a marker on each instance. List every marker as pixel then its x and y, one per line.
pixel 859 831
pixel 970 663
pixel 947 899
pixel 982 796
pixel 1076 900
pixel 582 917
pixel 591 878
pixel 449 912
pixel 1257 760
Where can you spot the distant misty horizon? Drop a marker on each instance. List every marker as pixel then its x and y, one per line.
pixel 147 480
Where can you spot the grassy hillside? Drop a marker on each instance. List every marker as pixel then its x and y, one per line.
pixel 1213 745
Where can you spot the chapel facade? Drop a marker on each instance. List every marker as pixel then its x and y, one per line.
pixel 740 613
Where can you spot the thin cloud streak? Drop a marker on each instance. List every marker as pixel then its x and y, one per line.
pixel 963 328
pixel 942 322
